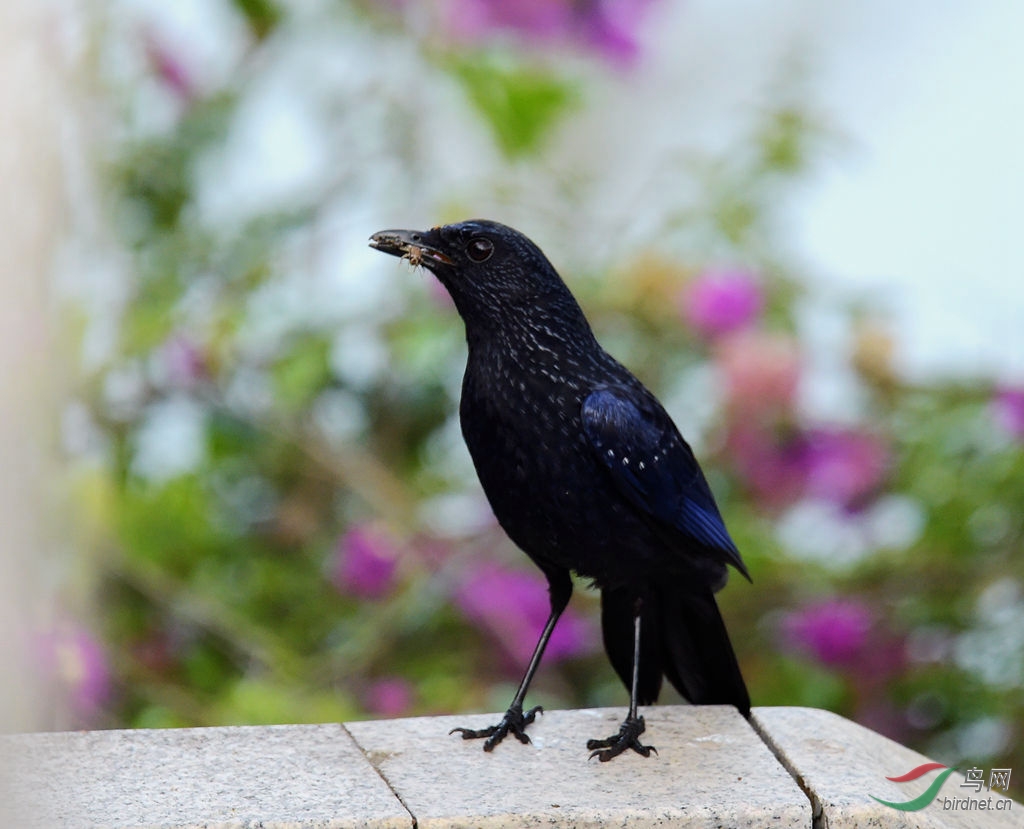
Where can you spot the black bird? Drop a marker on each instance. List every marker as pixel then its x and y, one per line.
pixel 586 472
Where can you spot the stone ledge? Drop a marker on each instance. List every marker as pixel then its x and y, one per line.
pixel 296 776
pixel 711 770
pixel 789 767
pixel 841 764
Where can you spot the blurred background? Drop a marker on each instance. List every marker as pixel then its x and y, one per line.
pixel 234 488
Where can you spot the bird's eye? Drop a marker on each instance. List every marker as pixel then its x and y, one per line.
pixel 480 249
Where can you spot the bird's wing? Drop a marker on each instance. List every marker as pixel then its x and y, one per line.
pixel 654 468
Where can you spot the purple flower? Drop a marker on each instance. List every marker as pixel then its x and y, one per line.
pixel 722 301
pixel 365 562
pixel 544 19
pixel 389 697
pixel 73 662
pixel 844 465
pixel 1008 405
pixel 771 462
pixel 169 67
pixel 178 363
pixel 834 631
pixel 513 607
pixel 608 27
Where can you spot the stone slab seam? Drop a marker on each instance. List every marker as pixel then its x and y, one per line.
pixel 377 771
pixel 818 819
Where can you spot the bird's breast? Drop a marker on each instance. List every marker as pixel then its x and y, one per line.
pixel 539 473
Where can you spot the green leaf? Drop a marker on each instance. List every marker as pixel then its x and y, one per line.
pixel 262 16
pixel 168 524
pixel 301 373
pixel 253 701
pixel 159 716
pixel 799 682
pixel 520 104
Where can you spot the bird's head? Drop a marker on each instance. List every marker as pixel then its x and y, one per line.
pixel 490 270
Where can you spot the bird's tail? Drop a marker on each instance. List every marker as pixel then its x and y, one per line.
pixel 697 655
pixel 683 636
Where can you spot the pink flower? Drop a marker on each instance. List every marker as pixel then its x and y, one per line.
pixel 608 27
pixel 389 697
pixel 835 632
pixel 513 606
pixel 73 662
pixel 543 19
pixel 843 465
pixel 760 372
pixel 1008 405
pixel 721 301
pixel 772 462
pixel 364 563
pixel 169 67
pixel 178 363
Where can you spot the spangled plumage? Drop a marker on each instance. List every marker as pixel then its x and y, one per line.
pixel 655 470
pixel 585 471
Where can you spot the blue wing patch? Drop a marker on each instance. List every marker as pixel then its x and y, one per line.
pixel 706 526
pixel 655 470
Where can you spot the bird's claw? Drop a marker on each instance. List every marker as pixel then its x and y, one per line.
pixel 514 722
pixel 628 737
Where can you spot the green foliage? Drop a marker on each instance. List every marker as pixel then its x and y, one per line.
pixel 168 524
pixel 521 104
pixel 301 372
pixel 261 15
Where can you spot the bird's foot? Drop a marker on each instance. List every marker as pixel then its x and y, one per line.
pixel 514 722
pixel 628 737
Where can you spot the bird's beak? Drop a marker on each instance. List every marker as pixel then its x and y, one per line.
pixel 413 245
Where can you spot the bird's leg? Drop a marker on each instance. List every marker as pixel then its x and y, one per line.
pixel 633 726
pixel 515 721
